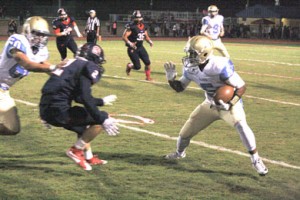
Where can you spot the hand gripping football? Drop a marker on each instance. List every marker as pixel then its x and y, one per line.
pixel 224 93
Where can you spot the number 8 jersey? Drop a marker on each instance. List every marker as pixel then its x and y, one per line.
pixel 10 70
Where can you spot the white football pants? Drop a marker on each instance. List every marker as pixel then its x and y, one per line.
pixel 219 46
pixel 9 119
pixel 204 115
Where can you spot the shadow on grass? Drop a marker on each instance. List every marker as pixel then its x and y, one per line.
pixel 146 159
pixel 35 162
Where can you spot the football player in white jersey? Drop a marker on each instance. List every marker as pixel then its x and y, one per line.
pixel 21 53
pixel 211 72
pixel 212 27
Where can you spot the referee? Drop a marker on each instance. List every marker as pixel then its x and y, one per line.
pixel 92 28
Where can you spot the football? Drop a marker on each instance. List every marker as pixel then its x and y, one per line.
pixel 224 93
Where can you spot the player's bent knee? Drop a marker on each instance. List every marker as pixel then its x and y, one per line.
pixel 136 67
pixel 9 122
pixel 7 131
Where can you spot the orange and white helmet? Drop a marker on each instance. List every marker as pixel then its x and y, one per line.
pixel 212 10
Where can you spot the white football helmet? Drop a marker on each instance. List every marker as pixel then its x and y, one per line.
pixel 36 30
pixel 212 10
pixel 199 49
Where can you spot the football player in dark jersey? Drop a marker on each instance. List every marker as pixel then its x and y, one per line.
pixel 133 36
pixel 63 26
pixel 72 83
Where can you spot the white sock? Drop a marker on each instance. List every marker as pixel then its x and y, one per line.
pixel 254 156
pixel 80 144
pixel 88 154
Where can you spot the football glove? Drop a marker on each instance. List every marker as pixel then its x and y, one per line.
pixel 170 71
pixel 110 126
pixel 221 106
pixel 109 99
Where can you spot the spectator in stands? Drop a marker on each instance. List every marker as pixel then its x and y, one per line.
pixel 92 28
pixel 12 27
pixel 114 28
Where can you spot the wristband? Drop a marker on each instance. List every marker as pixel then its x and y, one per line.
pixel 129 43
pixel 52 67
pixel 150 42
pixel 234 100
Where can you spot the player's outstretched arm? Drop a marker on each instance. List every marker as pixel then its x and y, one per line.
pixel 24 61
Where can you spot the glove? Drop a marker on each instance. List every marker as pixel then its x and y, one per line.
pixel 109 99
pixel 170 71
pixel 223 105
pixel 110 126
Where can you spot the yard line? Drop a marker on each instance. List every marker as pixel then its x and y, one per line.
pixel 251 73
pixel 197 88
pixel 214 147
pixel 268 61
pixel 240 59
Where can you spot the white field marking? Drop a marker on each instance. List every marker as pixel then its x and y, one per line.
pixel 263 61
pixel 268 61
pixel 203 144
pixel 198 88
pixel 251 73
pixel 142 119
pixel 26 103
pixel 214 147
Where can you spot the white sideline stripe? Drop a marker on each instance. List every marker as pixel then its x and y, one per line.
pixel 197 88
pixel 26 103
pixel 267 61
pixel 203 144
pixel 214 147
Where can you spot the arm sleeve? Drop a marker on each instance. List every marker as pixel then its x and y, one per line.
pixel 89 102
pixel 236 81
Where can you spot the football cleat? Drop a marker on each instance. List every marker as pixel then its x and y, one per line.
pixel 148 79
pixel 96 161
pixel 77 156
pixel 128 69
pixel 260 167
pixel 175 155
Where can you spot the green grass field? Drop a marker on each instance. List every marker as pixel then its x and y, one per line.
pixel 33 164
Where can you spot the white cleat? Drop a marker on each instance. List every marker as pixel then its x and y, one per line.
pixel 260 167
pixel 175 155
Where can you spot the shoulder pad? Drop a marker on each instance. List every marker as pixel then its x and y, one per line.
pixel 92 72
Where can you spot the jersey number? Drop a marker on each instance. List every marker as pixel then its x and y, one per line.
pixel 216 29
pixel 140 37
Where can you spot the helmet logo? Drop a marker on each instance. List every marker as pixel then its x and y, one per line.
pixel 96 50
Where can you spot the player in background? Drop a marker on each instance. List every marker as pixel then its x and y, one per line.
pixel 212 27
pixel 73 83
pixel 92 28
pixel 133 36
pixel 211 72
pixel 62 27
pixel 21 53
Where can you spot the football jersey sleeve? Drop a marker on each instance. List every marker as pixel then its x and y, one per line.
pixel 204 21
pixel 15 43
pixel 227 71
pixel 91 71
